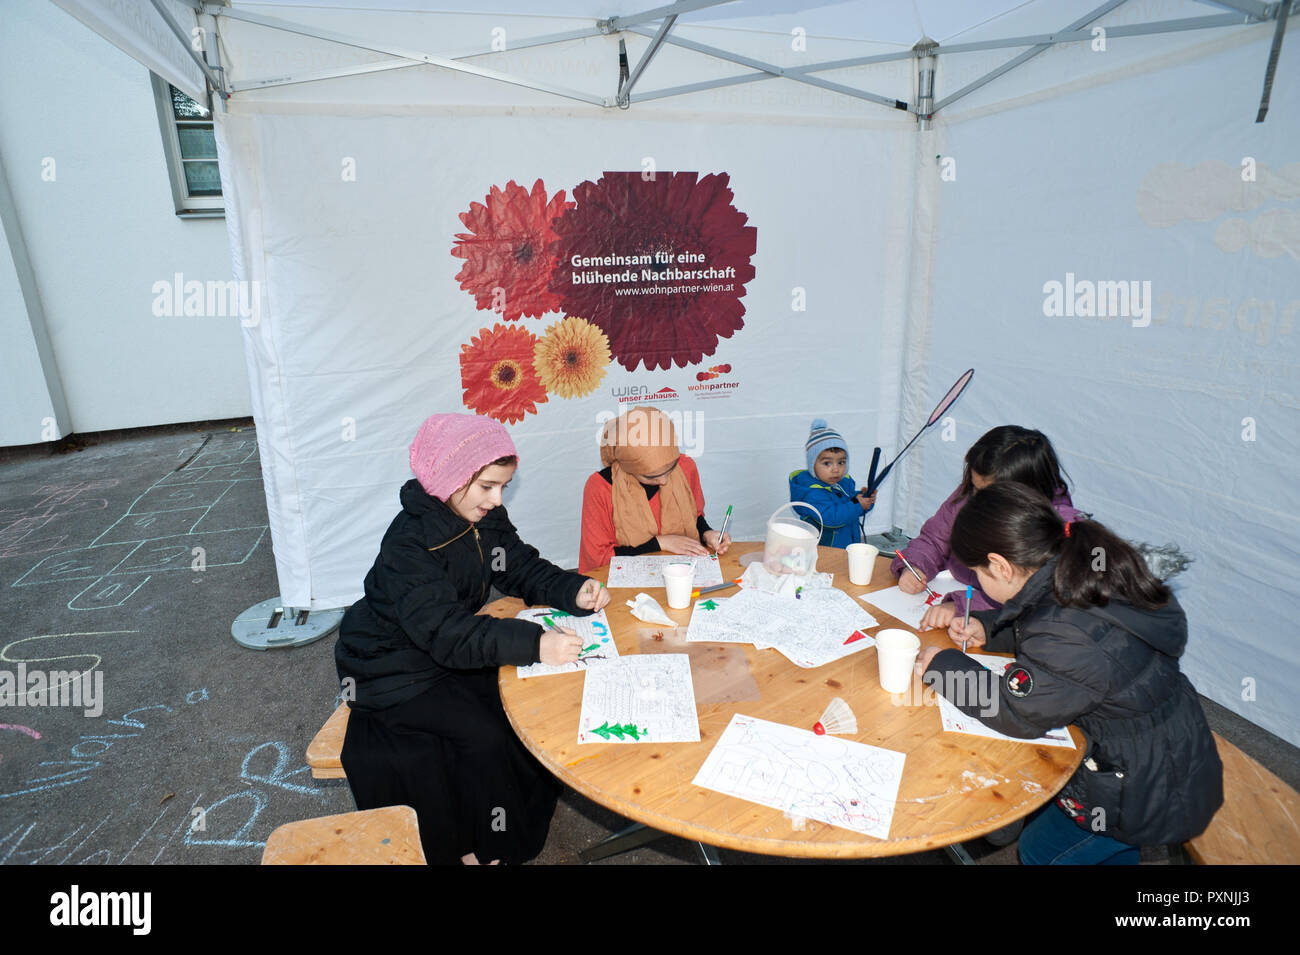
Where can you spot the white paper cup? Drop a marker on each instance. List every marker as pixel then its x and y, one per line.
pixel 896 652
pixel 678 579
pixel 862 561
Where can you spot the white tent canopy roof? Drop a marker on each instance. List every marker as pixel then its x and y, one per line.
pixel 724 30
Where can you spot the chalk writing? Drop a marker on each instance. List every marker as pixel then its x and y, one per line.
pixel 17 525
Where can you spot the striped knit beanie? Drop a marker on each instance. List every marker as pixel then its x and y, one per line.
pixel 820 437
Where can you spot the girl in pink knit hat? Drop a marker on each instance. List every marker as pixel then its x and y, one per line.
pixel 426 727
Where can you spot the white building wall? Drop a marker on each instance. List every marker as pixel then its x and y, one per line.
pixel 99 236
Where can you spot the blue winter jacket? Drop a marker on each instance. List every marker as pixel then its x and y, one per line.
pixel 836 504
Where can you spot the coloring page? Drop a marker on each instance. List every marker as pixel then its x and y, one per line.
pixel 640 699
pixel 709 625
pixel 811 630
pixel 832 780
pixel 910 608
pixel 597 641
pixel 647 570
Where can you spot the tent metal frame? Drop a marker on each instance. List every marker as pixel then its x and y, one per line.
pixel 1244 12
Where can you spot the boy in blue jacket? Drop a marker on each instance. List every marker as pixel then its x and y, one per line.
pixel 826 486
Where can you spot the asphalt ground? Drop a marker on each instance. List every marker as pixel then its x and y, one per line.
pixel 130 554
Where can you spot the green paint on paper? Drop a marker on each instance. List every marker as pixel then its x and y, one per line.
pixel 604 730
pixel 709 605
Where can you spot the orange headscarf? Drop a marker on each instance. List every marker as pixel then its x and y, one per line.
pixel 638 442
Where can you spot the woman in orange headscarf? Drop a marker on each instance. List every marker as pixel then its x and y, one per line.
pixel 648 496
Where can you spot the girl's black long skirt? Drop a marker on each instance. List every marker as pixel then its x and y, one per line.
pixel 451 755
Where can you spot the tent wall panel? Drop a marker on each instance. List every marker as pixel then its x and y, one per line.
pixel 365 321
pixel 1143 181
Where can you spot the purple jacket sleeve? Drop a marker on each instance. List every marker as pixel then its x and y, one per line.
pixel 979 599
pixel 928 551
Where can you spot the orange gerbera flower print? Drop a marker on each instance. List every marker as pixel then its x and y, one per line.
pixel 571 357
pixel 496 372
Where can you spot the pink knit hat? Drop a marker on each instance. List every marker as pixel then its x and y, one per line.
pixel 449 448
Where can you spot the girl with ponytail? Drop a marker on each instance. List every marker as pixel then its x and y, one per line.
pixel 1097 640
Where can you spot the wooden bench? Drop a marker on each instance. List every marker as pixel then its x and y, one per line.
pixel 325 751
pixel 1259 821
pixel 388 836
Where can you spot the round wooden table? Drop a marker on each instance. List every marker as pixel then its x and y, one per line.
pixel 955 787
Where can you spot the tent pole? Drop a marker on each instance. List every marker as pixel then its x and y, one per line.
pixel 1278 32
pixel 614 24
pixel 380 67
pixel 971 87
pixel 186 42
pixel 655 45
pixel 289 26
pixel 925 62
pixel 768 71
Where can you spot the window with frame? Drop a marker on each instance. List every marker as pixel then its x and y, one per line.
pixel 191 149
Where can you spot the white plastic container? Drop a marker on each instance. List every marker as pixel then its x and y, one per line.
pixel 791 545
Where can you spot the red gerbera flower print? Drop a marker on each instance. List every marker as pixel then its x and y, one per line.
pixel 507 265
pixel 673 232
pixel 496 371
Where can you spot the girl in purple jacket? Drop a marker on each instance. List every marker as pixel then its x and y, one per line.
pixel 1007 453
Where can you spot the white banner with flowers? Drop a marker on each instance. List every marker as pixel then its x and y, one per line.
pixel 551 271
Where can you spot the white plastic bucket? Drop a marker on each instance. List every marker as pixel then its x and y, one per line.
pixel 791 545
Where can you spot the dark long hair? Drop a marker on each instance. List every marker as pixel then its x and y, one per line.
pixel 1093 565
pixel 1013 453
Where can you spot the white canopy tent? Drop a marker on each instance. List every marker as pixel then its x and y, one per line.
pixel 897 238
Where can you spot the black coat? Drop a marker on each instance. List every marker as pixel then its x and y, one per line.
pixel 1112 671
pixel 418 619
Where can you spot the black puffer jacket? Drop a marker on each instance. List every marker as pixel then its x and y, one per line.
pixel 1112 671
pixel 418 618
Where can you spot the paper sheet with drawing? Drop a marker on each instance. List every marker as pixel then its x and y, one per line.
pixel 647 570
pixel 910 608
pixel 710 624
pixel 832 780
pixel 813 630
pixel 640 699
pixel 955 721
pixel 598 645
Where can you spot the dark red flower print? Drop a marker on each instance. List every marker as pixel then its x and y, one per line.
pixel 507 265
pixel 496 372
pixel 678 252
